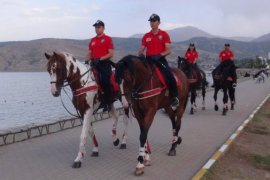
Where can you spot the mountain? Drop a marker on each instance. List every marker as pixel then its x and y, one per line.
pixel 240 38
pixel 29 55
pixel 183 34
pixel 263 38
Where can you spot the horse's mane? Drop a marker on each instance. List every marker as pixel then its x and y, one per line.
pixel 125 62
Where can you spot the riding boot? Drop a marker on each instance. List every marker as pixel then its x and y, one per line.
pixel 175 102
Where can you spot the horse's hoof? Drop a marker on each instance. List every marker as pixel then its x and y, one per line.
pixel 172 152
pixel 147 162
pixel 116 142
pixel 232 107
pixel 77 164
pixel 179 140
pixel 216 107
pixel 139 171
pixel 224 111
pixel 123 146
pixel 203 108
pixel 191 111
pixel 94 154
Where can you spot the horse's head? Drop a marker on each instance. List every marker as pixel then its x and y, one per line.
pixel 182 63
pixel 57 68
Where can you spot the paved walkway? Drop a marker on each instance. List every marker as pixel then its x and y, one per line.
pixel 50 157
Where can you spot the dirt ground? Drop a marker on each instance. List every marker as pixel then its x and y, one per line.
pixel 249 155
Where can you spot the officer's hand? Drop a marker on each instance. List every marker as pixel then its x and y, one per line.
pixel 142 56
pixel 234 85
pixel 156 57
pixel 95 63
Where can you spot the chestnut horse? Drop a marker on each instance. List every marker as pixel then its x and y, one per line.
pixel 141 86
pixel 65 70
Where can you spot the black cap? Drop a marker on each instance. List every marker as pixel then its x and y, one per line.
pixel 154 17
pixel 227 45
pixel 99 23
pixel 192 44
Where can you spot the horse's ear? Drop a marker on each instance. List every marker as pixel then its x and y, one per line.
pixel 54 53
pixel 47 56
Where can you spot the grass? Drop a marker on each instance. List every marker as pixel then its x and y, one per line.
pixel 262 161
pixel 258 131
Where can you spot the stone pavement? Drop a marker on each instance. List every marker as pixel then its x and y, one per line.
pixel 51 156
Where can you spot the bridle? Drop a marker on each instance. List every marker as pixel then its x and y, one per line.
pixel 65 82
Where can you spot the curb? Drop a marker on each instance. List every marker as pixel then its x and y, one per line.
pixel 226 145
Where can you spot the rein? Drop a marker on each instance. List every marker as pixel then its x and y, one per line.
pixel 134 94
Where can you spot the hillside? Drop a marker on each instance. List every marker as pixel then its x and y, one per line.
pixel 263 38
pixel 241 49
pixel 29 55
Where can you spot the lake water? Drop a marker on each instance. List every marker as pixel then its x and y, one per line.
pixel 25 98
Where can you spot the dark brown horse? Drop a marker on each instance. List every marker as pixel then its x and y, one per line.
pixel 193 81
pixel 141 86
pixel 65 69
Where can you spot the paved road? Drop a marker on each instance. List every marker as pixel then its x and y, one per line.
pixel 51 156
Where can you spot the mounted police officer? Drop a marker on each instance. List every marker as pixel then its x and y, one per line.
pixel 100 52
pixel 191 56
pixel 157 44
pixel 226 61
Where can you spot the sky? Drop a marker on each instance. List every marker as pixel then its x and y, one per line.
pixel 73 19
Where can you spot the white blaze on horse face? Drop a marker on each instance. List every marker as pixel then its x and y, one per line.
pixel 124 100
pixel 53 79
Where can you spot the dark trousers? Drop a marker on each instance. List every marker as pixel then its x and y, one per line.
pixel 104 72
pixel 164 68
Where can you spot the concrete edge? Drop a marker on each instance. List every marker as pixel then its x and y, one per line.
pixel 40 129
pixel 227 144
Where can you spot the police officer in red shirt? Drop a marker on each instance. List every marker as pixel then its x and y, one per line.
pixel 157 44
pixel 100 52
pixel 226 60
pixel 192 57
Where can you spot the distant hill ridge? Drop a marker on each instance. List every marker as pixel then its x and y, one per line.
pixel 29 55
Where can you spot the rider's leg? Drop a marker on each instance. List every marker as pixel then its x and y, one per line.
pixel 105 71
pixel 170 80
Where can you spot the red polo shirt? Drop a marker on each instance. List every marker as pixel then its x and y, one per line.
pixel 226 55
pixel 155 43
pixel 99 46
pixel 191 56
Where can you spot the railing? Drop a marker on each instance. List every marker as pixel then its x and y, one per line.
pixel 31 131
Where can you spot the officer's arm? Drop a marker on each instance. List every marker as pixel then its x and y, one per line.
pixel 167 50
pixel 88 55
pixel 141 51
pixel 107 56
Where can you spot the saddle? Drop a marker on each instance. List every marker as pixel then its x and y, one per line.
pixel 162 80
pixel 156 91
pixel 114 85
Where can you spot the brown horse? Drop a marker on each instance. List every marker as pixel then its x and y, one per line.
pixel 141 86
pixel 64 68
